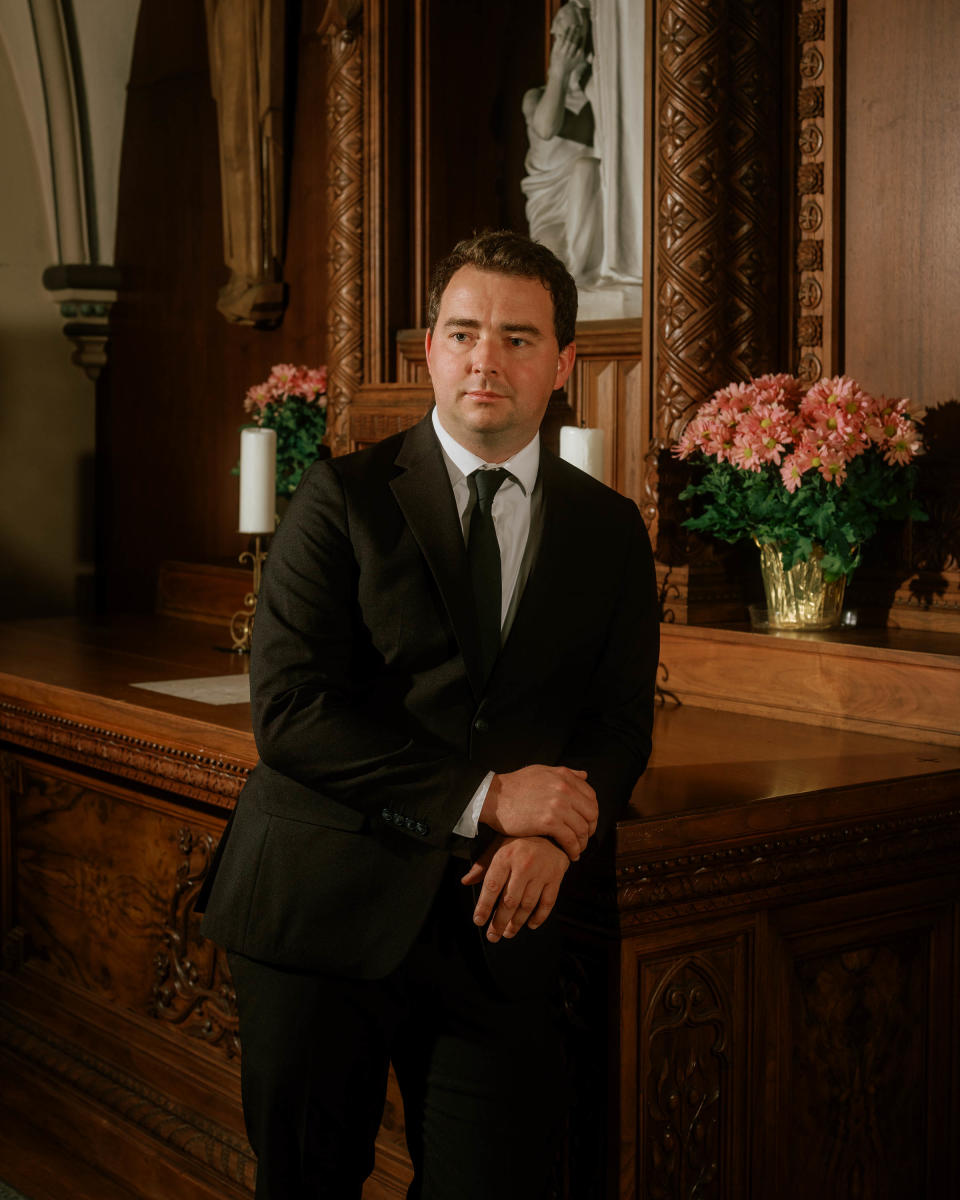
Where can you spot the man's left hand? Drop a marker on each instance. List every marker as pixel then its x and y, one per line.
pixel 521 881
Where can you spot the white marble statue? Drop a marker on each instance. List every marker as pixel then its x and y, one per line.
pixel 584 167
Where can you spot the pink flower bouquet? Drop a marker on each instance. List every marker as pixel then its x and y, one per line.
pixel 292 401
pixel 802 469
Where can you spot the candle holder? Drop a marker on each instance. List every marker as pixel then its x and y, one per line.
pixel 241 623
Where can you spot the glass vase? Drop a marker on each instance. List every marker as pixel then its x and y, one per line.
pixel 799 598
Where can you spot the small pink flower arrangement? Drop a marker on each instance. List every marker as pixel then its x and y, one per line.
pixel 802 468
pixel 292 401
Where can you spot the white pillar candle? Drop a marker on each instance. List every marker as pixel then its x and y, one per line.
pixel 258 476
pixel 583 448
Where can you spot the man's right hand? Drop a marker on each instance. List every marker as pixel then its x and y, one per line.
pixel 539 801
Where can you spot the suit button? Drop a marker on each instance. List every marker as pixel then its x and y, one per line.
pixel 481 725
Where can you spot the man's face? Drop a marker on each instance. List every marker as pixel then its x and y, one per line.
pixel 494 360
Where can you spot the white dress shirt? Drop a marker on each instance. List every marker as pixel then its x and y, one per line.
pixel 511 519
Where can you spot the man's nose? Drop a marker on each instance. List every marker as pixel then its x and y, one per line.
pixel 486 360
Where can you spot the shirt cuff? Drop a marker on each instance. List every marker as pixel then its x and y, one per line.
pixel 468 823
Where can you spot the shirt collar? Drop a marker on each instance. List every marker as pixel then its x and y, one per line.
pixel 523 465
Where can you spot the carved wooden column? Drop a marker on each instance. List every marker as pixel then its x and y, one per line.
pixel 816 226
pixel 711 313
pixel 340 29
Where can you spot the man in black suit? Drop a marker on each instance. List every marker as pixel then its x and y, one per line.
pixel 452 690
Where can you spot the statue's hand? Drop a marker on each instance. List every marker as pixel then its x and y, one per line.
pixel 567 51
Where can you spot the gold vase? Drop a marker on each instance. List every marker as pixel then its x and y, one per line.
pixel 799 598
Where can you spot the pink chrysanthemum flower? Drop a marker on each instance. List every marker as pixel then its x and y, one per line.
pixel 840 392
pixel 903 443
pixel 256 399
pixel 744 454
pixel 281 377
pixel 832 465
pixel 793 470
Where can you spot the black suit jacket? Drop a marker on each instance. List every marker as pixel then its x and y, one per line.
pixel 371 718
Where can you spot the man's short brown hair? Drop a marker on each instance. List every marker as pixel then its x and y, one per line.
pixel 510 253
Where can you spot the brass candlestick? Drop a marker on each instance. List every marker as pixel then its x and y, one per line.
pixel 241 623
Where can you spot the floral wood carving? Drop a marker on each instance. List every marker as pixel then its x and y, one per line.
pixel 715 243
pixel 852 855
pixel 178 1128
pixel 345 213
pixel 193 989
pixel 200 776
pixel 687 1048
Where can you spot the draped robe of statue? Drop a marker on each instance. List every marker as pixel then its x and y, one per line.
pixel 246 75
pixel 586 201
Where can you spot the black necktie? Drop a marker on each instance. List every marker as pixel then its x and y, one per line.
pixel 483 555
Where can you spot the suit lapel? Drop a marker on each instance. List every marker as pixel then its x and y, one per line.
pixel 426 500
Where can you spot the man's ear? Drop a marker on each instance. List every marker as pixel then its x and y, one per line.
pixel 427 341
pixel 564 364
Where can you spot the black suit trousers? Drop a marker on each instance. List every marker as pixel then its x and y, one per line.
pixel 483 1077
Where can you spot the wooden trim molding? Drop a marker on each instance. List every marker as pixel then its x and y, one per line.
pixel 189 773
pixel 816 228
pixel 855 856
pixel 129 1101
pixel 340 31
pixel 903 688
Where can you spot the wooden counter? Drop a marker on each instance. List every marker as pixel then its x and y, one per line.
pixel 762 984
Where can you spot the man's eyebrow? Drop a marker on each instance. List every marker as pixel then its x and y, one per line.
pixel 531 329
pixel 472 323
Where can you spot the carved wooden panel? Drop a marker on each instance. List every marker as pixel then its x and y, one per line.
pixel 105 890
pixel 866 1038
pixel 88 884
pixel 713 286
pixel 693 1056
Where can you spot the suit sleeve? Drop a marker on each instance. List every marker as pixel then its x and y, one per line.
pixel 613 736
pixel 311 676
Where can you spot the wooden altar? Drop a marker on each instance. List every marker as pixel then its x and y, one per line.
pixel 763 976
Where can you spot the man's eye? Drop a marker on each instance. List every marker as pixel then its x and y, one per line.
pixel 518 341
pixel 459 336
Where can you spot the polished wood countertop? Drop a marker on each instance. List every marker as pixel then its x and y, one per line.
pixel 85 670
pixel 712 773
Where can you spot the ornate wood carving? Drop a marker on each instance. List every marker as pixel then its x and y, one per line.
pixel 722 879
pixel 127 1098
pixel 686 1042
pixel 193 989
pixel 815 349
pixel 715 229
pixel 340 30
pixel 189 773
pixel 858 1094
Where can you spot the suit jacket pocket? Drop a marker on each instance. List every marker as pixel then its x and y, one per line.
pixel 279 796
